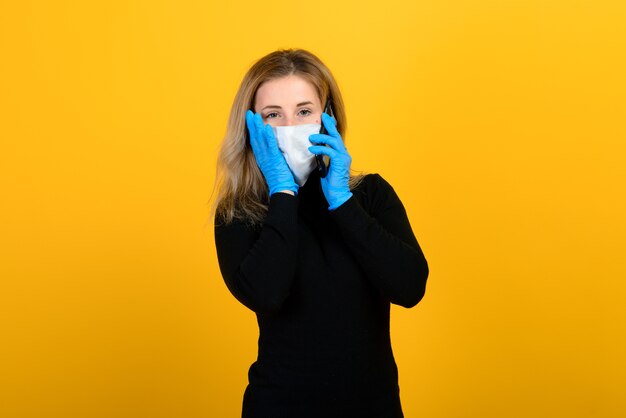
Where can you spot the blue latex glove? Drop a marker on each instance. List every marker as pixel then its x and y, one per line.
pixel 268 157
pixel 335 184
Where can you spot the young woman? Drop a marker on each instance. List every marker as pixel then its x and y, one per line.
pixel 318 256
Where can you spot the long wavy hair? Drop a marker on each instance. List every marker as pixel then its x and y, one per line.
pixel 242 192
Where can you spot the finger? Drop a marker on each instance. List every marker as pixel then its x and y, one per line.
pixel 332 118
pixel 334 143
pixel 258 123
pixel 250 123
pixel 259 145
pixel 269 134
pixel 255 140
pixel 260 128
pixel 321 150
pixel 270 139
pixel 331 125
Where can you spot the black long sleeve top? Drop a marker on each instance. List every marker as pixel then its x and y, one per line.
pixel 321 283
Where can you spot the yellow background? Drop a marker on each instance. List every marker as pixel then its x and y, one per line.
pixel 501 125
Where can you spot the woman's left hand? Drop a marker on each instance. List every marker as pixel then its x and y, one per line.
pixel 335 184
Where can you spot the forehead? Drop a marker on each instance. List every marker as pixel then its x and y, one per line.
pixel 285 91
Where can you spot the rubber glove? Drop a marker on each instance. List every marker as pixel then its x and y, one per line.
pixel 268 157
pixel 335 184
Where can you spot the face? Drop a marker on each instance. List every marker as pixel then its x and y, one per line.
pixel 290 100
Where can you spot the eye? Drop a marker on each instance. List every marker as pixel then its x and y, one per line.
pixel 304 112
pixel 271 115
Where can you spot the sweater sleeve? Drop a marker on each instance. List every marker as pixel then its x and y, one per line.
pixel 383 242
pixel 258 267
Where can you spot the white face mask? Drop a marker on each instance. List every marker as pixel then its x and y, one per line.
pixel 293 142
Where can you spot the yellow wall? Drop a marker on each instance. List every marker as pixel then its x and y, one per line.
pixel 501 124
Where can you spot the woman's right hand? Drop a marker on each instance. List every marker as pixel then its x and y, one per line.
pixel 268 157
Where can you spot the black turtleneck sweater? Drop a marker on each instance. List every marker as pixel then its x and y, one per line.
pixel 321 283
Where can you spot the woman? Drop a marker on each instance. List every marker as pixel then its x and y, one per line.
pixel 318 259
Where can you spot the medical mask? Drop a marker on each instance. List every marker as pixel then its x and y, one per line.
pixel 293 142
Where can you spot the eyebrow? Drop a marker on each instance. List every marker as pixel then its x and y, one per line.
pixel 278 107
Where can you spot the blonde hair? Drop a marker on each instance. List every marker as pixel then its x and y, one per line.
pixel 242 192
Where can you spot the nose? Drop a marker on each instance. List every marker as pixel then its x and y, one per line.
pixel 288 121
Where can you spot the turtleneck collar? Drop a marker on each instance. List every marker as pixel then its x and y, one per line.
pixel 310 196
